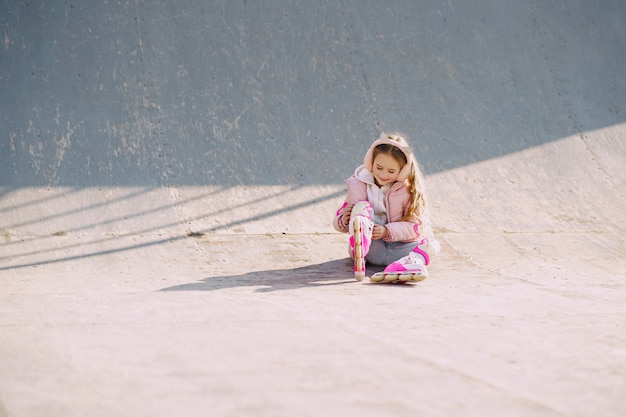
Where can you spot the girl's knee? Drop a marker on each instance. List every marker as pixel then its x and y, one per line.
pixel 377 254
pixel 376 259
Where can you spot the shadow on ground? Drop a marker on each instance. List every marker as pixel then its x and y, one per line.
pixel 331 273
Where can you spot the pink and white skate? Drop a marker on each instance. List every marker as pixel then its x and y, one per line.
pixel 407 269
pixel 411 268
pixel 361 227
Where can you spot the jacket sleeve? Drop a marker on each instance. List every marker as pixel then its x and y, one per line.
pixel 357 191
pixel 401 232
pixel 337 223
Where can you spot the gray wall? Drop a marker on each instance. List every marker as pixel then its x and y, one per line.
pixel 205 93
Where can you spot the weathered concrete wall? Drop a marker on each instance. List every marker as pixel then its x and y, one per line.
pixel 128 93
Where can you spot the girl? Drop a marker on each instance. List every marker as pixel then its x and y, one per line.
pixel 386 215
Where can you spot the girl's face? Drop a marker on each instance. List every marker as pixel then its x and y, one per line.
pixel 386 169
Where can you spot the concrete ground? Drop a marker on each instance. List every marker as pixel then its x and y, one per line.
pixel 169 173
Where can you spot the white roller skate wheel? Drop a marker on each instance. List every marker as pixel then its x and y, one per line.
pixel 359 276
pixel 377 277
pixel 405 276
pixel 391 277
pixel 419 277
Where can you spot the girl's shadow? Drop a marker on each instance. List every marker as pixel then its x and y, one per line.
pixel 336 272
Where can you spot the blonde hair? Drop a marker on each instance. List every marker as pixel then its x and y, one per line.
pixel 418 208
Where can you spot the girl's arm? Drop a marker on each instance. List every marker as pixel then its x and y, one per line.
pixel 401 231
pixel 357 191
pixel 342 217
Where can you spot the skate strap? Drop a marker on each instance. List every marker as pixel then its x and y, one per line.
pixel 395 267
pixel 423 253
pixel 341 208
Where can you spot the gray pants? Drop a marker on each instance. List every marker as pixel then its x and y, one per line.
pixel 384 253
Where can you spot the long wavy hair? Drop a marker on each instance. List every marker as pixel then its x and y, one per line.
pixel 418 210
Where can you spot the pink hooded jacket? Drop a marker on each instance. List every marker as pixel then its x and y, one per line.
pixel 397 202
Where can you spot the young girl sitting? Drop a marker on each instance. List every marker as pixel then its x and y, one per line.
pixel 386 215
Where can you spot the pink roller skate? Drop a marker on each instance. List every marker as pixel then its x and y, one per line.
pixel 361 226
pixel 411 267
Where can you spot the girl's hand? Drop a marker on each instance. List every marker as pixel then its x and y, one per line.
pixel 379 232
pixel 345 215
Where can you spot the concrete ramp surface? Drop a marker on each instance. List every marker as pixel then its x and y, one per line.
pixel 169 172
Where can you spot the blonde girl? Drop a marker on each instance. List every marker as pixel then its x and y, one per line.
pixel 386 213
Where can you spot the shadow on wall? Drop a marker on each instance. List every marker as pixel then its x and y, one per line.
pixel 245 93
pixel 129 221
